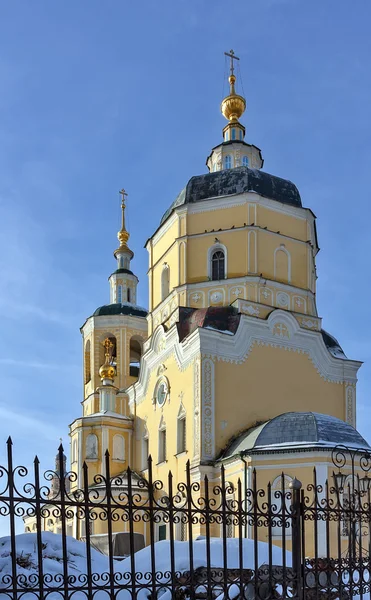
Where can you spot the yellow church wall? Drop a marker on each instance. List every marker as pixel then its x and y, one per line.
pixel 171 258
pixel 161 244
pixel 224 218
pixel 286 224
pixel 293 385
pixel 149 414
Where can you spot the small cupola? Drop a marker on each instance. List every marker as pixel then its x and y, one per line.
pixel 233 151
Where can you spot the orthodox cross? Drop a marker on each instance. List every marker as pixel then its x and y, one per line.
pixel 108 346
pixel 123 194
pixel 233 57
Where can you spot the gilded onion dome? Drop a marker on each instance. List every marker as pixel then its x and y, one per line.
pixel 234 105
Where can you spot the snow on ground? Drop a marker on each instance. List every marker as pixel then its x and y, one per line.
pixel 26 550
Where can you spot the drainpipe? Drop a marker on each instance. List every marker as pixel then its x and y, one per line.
pixel 245 488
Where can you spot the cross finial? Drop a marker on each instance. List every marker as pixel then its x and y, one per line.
pixel 233 57
pixel 108 347
pixel 123 194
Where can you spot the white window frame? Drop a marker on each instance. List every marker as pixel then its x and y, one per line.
pixel 214 248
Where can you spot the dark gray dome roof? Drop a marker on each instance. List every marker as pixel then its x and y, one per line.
pixel 120 309
pixel 236 181
pixel 297 429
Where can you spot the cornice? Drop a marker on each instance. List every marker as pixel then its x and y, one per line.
pixel 109 321
pixel 235 349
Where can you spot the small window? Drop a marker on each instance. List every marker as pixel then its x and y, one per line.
pixel 217 265
pixel 119 294
pixel 182 438
pixel 91 446
pixel 87 362
pixel 245 161
pixel 241 134
pixel 129 295
pixel 227 136
pixel 215 167
pixel 162 446
pixel 145 450
pixel 161 532
pixel 228 162
pixel 233 134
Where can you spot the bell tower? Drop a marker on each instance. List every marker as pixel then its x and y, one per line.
pixel 113 338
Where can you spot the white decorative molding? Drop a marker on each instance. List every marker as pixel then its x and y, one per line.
pixel 196 409
pixel 252 265
pixel 266 292
pixel 283 299
pixel 309 323
pixel 350 404
pixel 251 310
pixel 208 409
pixel 236 348
pixel 197 297
pixel 216 296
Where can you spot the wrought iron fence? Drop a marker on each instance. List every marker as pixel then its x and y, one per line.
pixel 220 540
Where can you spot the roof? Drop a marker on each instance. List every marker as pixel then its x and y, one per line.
pixel 120 309
pixel 296 429
pixel 236 181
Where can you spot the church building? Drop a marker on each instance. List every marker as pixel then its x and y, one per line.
pixel 230 364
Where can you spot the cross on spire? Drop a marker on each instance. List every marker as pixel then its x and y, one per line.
pixel 124 194
pixel 233 57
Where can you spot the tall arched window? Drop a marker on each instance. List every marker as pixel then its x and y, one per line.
pixel 129 294
pixel 74 451
pixel 228 162
pixel 165 282
pixel 217 265
pixel 233 134
pixel 87 362
pixel 241 134
pixel 118 447
pixel 245 161
pixel 119 294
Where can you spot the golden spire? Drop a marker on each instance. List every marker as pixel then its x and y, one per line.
pixel 107 370
pixel 123 235
pixel 233 106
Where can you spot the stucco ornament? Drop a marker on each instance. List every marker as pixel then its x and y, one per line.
pixel 281 330
pixel 216 297
pixel 283 299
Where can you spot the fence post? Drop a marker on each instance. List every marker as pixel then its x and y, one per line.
pixel 295 487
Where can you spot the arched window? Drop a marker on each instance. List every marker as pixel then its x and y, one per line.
pixel 245 161
pixel 87 362
pixel 119 294
pixel 128 294
pixel 241 134
pixel 181 431
pixel 91 446
pixel 227 136
pixel 145 448
pixel 215 166
pixel 217 265
pixel 162 449
pixel 228 162
pixel 135 355
pixel 74 451
pixel 118 447
pixel 233 134
pixel 165 282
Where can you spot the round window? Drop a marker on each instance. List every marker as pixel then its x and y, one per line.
pixel 161 393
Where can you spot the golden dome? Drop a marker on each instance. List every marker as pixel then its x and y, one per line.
pixel 233 106
pixel 107 370
pixel 123 235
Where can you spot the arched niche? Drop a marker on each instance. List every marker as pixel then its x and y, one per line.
pixel 91 446
pixel 118 447
pixel 282 264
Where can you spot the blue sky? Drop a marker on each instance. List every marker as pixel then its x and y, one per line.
pixel 99 95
